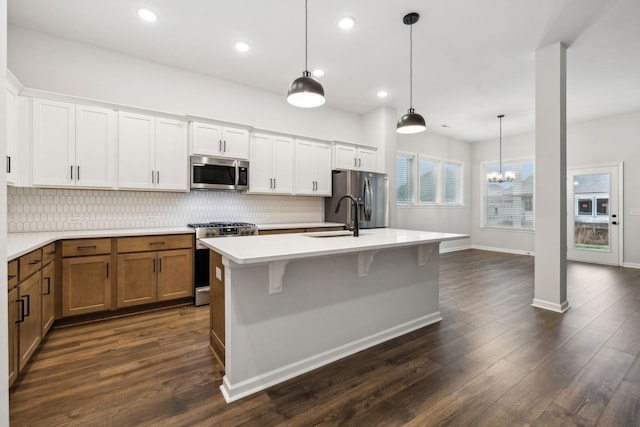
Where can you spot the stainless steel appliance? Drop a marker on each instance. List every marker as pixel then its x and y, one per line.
pixel 370 190
pixel 201 258
pixel 212 173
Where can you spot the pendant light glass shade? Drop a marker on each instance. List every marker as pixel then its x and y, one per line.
pixel 498 176
pixel 411 122
pixel 305 91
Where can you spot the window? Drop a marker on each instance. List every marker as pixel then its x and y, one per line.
pixel 405 178
pixel 453 183
pixel 509 204
pixel 429 180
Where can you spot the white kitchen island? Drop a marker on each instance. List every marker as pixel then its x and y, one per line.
pixel 294 302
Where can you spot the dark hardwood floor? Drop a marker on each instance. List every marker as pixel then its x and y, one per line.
pixel 493 361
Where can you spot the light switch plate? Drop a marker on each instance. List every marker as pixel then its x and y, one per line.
pixel 635 211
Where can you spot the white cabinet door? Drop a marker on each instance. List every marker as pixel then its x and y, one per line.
pixel 53 143
pixel 305 176
pixel 366 159
pixel 171 163
pixel 346 157
pixel 136 151
pixel 206 139
pixel 12 136
pixel 235 143
pixel 261 161
pixel 282 165
pixel 322 169
pixel 95 156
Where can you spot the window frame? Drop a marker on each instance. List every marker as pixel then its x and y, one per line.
pixel 460 165
pixel 438 186
pixel 411 178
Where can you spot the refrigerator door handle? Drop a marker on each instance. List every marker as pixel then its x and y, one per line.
pixel 368 199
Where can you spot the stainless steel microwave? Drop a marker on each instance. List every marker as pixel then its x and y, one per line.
pixel 212 173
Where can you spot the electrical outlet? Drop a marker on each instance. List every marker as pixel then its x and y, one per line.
pixel 635 211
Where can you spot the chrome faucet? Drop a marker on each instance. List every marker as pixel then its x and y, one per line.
pixel 356 229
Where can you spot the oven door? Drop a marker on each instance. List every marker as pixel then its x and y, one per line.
pixel 213 174
pixel 201 274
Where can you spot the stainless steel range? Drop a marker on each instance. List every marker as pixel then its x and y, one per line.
pixel 201 259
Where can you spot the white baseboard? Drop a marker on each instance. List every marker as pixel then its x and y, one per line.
pixel 631 265
pixel 233 392
pixel 503 250
pixel 552 306
pixel 454 249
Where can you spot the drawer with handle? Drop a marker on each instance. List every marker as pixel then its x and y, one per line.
pixel 48 253
pixel 81 247
pixel 154 243
pixel 12 274
pixel 29 264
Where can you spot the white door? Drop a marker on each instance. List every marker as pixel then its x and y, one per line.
pixel 305 175
pixel 282 165
pixel 136 151
pixel 235 143
pixel 54 132
pixel 346 157
pixel 171 155
pixel 594 214
pixel 322 168
pixel 206 139
pixel 95 147
pixel 261 171
pixel 12 136
pixel 366 159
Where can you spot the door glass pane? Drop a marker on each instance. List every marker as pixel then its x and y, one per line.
pixel 591 212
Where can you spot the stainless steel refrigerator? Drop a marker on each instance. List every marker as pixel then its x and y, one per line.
pixel 370 189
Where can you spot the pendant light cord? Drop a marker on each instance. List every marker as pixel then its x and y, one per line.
pixel 411 66
pixel 306 43
pixel 500 117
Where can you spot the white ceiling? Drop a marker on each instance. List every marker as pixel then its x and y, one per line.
pixel 473 59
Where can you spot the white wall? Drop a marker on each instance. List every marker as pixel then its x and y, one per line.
pixel 607 140
pixel 451 219
pixel 4 339
pixel 53 64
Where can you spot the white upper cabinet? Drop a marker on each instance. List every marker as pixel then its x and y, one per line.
pixel 312 168
pixel 352 157
pixel 271 161
pixel 209 139
pixel 12 135
pixel 153 153
pixel 73 146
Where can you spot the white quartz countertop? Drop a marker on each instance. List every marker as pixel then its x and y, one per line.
pixel 19 244
pixel 298 225
pixel 278 247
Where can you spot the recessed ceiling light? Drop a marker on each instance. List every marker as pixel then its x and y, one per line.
pixel 318 72
pixel 242 47
pixel 147 15
pixel 382 94
pixel 346 22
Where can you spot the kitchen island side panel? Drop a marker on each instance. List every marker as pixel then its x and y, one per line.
pixel 325 312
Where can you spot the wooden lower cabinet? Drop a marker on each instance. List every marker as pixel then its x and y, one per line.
pixel 216 306
pixel 48 292
pixel 145 277
pixel 86 284
pixel 13 335
pixel 29 317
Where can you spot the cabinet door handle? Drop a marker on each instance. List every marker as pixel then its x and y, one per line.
pixel 274 183
pixel 86 248
pixel 107 270
pixel 224 146
pixel 154 265
pixel 28 313
pixel 355 162
pixel 35 261
pixel 153 177
pixel 78 173
pixel 11 276
pixel 8 164
pixel 270 182
pixel 51 253
pixel 21 310
pixel 156 243
pixel 219 145
pixel 157 177
pixel 71 167
pixel 359 163
pixel 48 279
pixel 160 265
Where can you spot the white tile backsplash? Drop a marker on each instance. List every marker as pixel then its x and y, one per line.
pixel 40 209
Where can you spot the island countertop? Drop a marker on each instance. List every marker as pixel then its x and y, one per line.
pixel 279 247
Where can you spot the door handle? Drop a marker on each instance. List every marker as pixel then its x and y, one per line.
pixel 355 162
pixel 71 167
pixel 21 302
pixel 107 270
pixel 220 145
pixel 28 313
pixel 359 163
pixel 159 265
pixel 8 164
pixel 153 177
pixel 78 173
pixel 614 222
pixel 224 146
pixel 48 279
pixel 157 177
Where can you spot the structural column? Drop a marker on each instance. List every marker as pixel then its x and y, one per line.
pixel 551 179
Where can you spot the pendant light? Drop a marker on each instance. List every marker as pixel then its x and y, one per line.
pixel 494 176
pixel 305 91
pixel 411 122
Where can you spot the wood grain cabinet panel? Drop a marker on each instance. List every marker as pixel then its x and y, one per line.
pixel 84 247
pixel 30 315
pixel 48 292
pixel 12 274
pixel 13 335
pixel 48 253
pixel 216 307
pixel 154 243
pixel 86 284
pixel 137 279
pixel 175 274
pixel 29 264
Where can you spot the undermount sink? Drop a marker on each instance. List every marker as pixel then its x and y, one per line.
pixel 340 233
